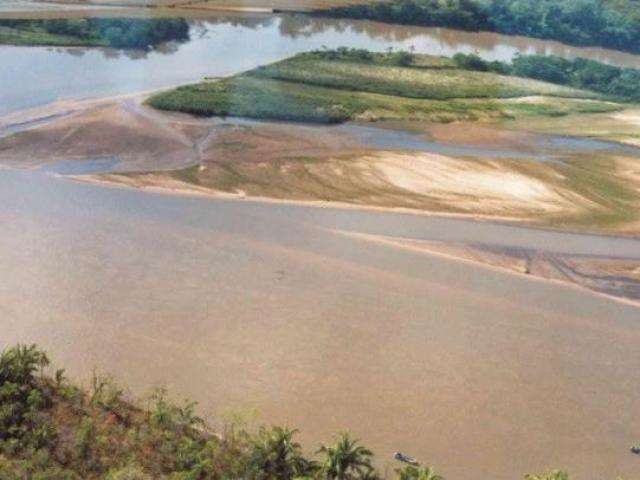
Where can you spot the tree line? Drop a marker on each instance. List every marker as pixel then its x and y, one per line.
pixel 130 33
pixel 607 23
pixel 623 83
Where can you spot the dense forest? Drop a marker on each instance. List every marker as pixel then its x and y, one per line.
pixel 53 430
pixel 133 33
pixel 622 83
pixel 608 23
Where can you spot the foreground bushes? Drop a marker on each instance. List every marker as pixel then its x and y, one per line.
pixel 52 430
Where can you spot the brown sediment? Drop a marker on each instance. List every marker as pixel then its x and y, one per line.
pixel 615 277
pixel 305 163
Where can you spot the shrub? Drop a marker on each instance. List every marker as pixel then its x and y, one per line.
pixel 130 472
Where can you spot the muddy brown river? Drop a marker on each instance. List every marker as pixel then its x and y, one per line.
pixel 247 306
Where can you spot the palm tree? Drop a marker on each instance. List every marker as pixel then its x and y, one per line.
pixel 275 455
pixel 411 472
pixel 553 475
pixel 346 460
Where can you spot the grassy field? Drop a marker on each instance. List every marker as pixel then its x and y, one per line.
pixel 430 78
pixel 327 87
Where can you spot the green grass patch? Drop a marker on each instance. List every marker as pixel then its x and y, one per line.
pixel 334 86
pixel 435 82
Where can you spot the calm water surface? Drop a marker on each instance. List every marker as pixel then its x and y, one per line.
pixel 242 305
pixel 33 76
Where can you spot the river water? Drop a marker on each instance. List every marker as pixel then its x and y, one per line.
pixel 222 46
pixel 243 306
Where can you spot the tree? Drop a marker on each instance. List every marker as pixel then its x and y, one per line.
pixel 411 472
pixel 552 475
pixel 275 455
pixel 346 460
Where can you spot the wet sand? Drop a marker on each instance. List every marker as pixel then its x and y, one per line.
pixel 242 305
pixel 534 178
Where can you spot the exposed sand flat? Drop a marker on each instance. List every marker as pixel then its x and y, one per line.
pixel 471 185
pixel 629 116
pixel 304 163
pixel 100 130
pixel 616 277
pixel 630 169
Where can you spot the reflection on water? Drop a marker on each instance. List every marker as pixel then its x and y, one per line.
pixel 33 76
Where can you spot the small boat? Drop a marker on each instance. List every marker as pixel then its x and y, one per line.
pixel 405 458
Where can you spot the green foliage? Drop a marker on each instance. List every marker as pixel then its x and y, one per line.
pixel 55 436
pixel 19 364
pixel 125 33
pixel 248 97
pixel 130 472
pixel 276 456
pixel 475 62
pixel 553 475
pixel 608 23
pixel 463 14
pixel 346 460
pixel 580 73
pixel 547 68
pixel 411 472
pixel 330 86
pixel 22 398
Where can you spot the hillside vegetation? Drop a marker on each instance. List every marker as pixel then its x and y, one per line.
pixel 337 85
pixel 126 33
pixel 53 430
pixel 608 23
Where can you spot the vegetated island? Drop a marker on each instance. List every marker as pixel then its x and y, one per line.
pixel 332 86
pixel 51 429
pixel 124 33
pixel 612 24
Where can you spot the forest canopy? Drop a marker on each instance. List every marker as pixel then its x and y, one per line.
pixel 608 23
pixel 623 83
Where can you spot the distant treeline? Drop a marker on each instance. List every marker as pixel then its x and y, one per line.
pixel 578 73
pixel 134 33
pixel 608 23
